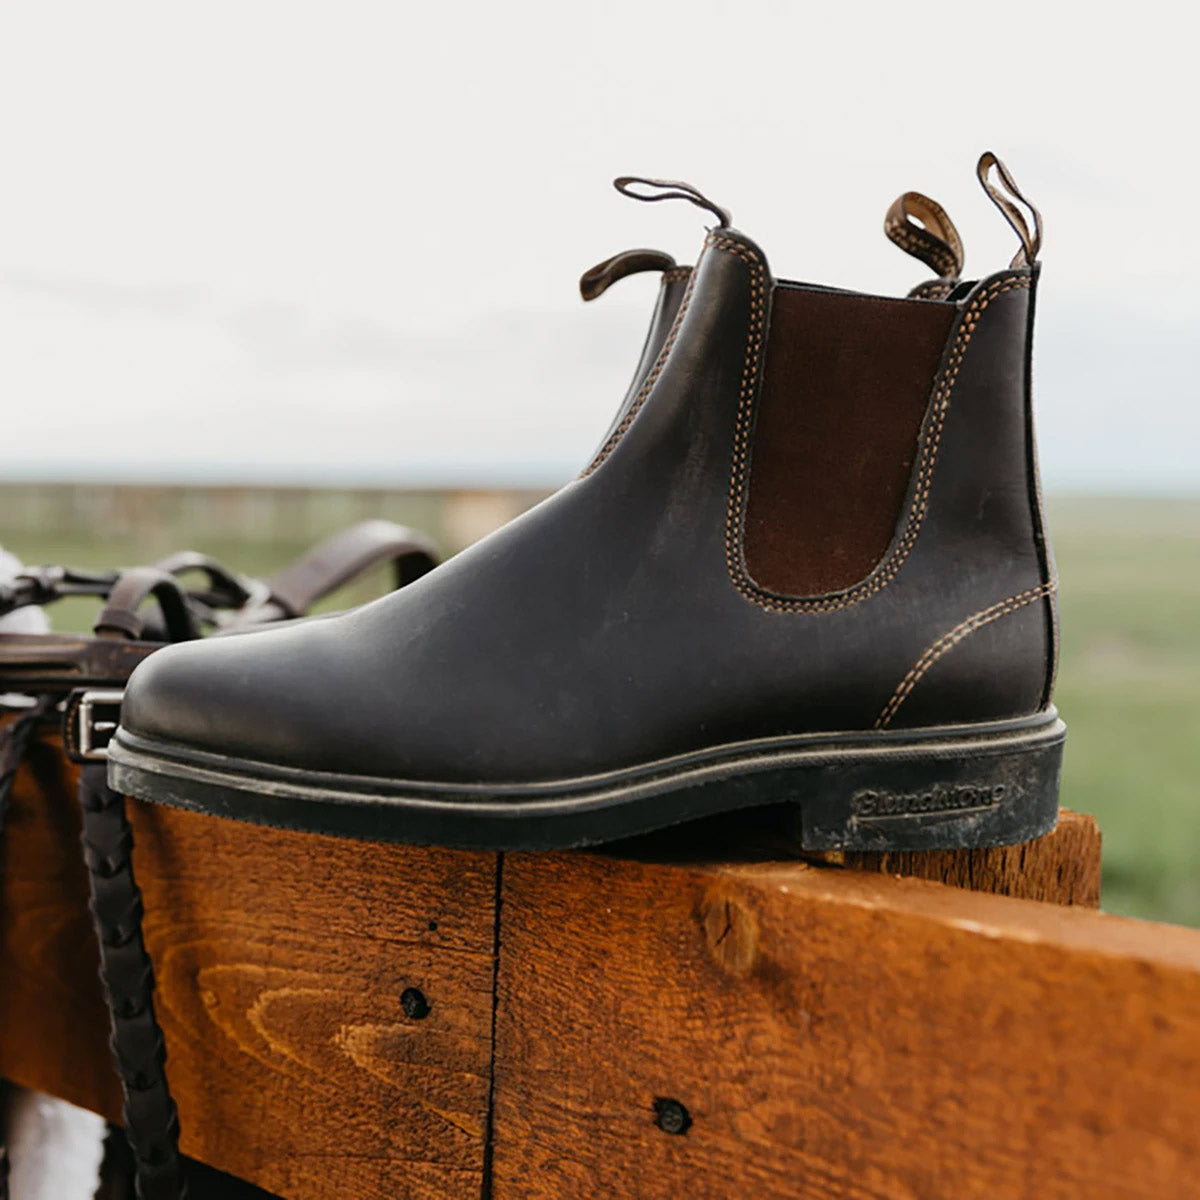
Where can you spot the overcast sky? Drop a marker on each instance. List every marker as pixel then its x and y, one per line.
pixel 340 242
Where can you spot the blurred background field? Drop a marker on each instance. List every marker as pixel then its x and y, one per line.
pixel 1129 682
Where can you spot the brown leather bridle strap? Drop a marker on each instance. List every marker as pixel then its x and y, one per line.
pixel 121 615
pixel 14 742
pixel 338 561
pixel 226 588
pixel 44 585
pixel 34 663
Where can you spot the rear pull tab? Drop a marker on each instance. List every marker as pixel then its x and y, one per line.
pixel 921 227
pixel 1031 242
pixel 666 189
pixel 603 275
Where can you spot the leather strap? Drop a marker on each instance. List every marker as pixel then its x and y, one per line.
pixel 1031 238
pixel 139 1053
pixel 121 616
pixel 14 742
pixel 336 562
pixel 922 227
pixel 603 275
pixel 36 663
pixel 669 189
pixel 43 585
pixel 226 588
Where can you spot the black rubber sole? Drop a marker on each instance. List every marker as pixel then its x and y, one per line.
pixel 948 788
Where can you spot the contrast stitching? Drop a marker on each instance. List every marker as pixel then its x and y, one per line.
pixel 934 289
pixel 925 246
pixel 677 273
pixel 741 435
pixel 950 640
pixel 934 251
pixel 887 570
pixel 68 735
pixel 618 433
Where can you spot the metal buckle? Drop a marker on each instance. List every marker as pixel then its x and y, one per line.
pixel 97 716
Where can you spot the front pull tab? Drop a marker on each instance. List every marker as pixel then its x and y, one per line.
pixel 603 275
pixel 921 227
pixel 1031 242
pixel 666 189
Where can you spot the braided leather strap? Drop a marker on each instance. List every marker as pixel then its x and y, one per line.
pixel 150 1117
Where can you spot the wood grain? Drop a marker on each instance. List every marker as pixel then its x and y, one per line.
pixel 53 1023
pixel 831 1033
pixel 834 1034
pixel 281 960
pixel 1061 868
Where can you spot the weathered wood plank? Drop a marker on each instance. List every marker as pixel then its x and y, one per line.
pixel 53 1023
pixel 1061 868
pixel 283 960
pixel 834 1034
pixel 830 1033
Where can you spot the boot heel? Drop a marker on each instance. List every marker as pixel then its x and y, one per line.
pixel 969 798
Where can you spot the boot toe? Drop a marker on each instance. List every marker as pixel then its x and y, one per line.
pixel 214 695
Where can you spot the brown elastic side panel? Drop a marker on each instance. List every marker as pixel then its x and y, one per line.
pixel 845 387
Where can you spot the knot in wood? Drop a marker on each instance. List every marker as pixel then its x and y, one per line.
pixel 731 931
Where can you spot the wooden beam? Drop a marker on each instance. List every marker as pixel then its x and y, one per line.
pixel 282 963
pixel 828 1033
pixel 782 1030
pixel 327 1005
pixel 53 1023
pixel 1061 868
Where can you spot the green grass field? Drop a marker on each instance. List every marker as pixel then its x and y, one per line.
pixel 1129 690
pixel 1129 683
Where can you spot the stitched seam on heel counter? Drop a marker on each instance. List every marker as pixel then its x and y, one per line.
pixel 933 289
pixel 949 640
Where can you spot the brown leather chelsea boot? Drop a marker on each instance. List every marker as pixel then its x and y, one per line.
pixel 807 566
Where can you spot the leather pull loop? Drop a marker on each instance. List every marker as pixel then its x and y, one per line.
pixel 1031 241
pixel 921 227
pixel 603 275
pixel 669 189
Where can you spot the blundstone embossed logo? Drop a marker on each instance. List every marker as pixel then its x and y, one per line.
pixel 874 805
